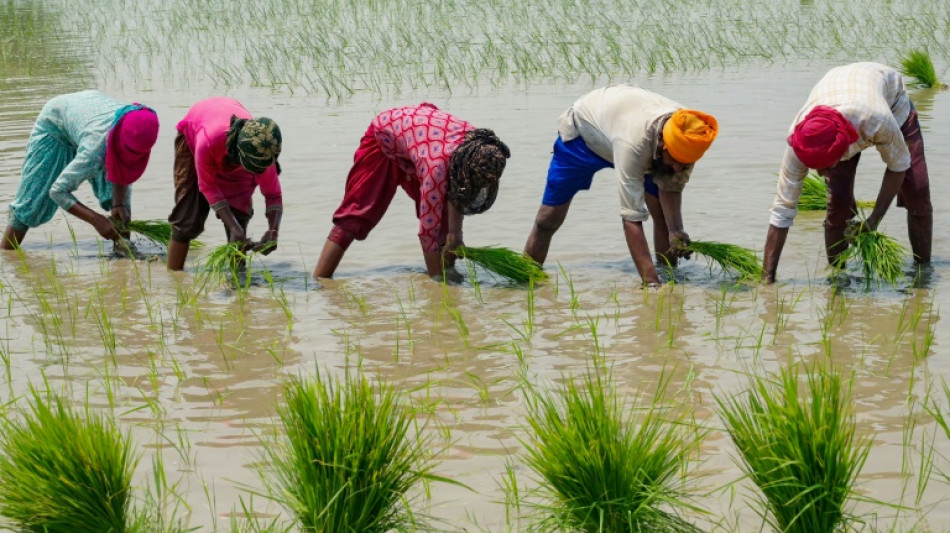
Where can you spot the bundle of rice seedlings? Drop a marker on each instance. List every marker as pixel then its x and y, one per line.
pixel 815 194
pixel 157 231
pixel 64 471
pixel 222 264
pixel 348 456
pixel 881 257
pixel 800 450
pixel 732 258
pixel 920 67
pixel 604 467
pixel 503 263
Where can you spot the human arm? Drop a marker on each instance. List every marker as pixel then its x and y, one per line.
pixel 791 179
pixel 890 185
pixel 235 230
pixel 121 212
pixel 269 183
pixel 269 241
pixel 640 252
pixel 671 202
pixel 774 242
pixel 103 225
pixel 890 143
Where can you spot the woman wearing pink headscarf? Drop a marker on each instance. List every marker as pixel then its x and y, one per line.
pixel 852 108
pixel 84 136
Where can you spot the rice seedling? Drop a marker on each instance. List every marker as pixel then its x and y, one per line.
pixel 881 257
pixel 503 263
pixel 732 258
pixel 64 471
pixel 226 263
pixel 157 231
pixel 347 460
pixel 800 448
pixel 604 467
pixel 815 195
pixel 918 66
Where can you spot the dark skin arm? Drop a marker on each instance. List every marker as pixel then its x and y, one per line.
pixel 121 213
pixel 270 236
pixel 673 215
pixel 235 231
pixel 640 252
pixel 453 239
pixel 890 185
pixel 774 242
pixel 103 225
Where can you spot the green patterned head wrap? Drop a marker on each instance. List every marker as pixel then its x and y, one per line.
pixel 254 143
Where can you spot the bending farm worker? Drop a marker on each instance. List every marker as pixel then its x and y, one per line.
pixel 447 166
pixel 222 154
pixel 652 143
pixel 78 137
pixel 852 108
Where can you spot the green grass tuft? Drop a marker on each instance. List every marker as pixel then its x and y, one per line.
pixel 881 257
pixel 504 263
pixel 920 67
pixel 732 258
pixel 64 471
pixel 348 457
pixel 604 467
pixel 801 450
pixel 815 195
pixel 157 231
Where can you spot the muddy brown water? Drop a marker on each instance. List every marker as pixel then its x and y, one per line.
pixel 206 373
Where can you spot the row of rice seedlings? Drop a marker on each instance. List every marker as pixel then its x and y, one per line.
pixel 324 52
pixel 815 194
pixel 503 263
pixel 731 258
pixel 65 471
pixel 881 257
pixel 800 448
pixel 348 457
pixel 606 467
pixel 918 66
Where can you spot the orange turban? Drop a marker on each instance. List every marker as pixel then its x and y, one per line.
pixel 688 133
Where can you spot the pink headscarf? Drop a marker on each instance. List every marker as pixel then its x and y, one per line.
pixel 821 139
pixel 129 145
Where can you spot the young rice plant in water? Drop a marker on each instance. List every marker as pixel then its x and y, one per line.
pixel 503 263
pixel 799 448
pixel 604 467
pixel 348 458
pixel 64 471
pixel 881 257
pixel 920 67
pixel 732 258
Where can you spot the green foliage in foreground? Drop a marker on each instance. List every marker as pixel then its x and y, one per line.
pixel 503 263
pixel 224 264
pixel 815 194
pixel 604 467
pixel 732 258
pixel 920 67
pixel 347 458
pixel 881 257
pixel 64 471
pixel 798 447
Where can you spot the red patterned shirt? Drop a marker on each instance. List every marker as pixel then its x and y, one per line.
pixel 422 140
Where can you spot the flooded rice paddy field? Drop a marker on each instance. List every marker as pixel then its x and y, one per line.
pixel 195 375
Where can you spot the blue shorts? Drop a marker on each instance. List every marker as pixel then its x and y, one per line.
pixel 572 168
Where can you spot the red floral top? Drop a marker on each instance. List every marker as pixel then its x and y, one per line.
pixel 422 140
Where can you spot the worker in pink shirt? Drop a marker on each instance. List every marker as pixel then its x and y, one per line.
pixel 447 166
pixel 222 154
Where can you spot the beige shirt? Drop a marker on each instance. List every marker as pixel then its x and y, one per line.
pixel 872 97
pixel 622 124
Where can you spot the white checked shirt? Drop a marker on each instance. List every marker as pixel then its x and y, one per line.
pixel 621 123
pixel 872 97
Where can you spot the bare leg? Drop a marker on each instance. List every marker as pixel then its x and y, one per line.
pixel 640 251
pixel 547 222
pixel 330 258
pixel 920 234
pixel 661 234
pixel 12 239
pixel 177 253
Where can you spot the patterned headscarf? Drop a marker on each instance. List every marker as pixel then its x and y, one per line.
pixel 254 143
pixel 475 170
